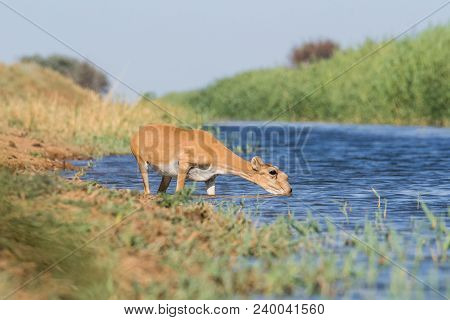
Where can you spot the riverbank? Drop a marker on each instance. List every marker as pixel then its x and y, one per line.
pixel 43 105
pixel 405 83
pixel 69 239
pixel 88 242
pixel 24 153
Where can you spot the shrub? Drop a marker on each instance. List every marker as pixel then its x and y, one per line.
pixel 313 51
pixel 81 72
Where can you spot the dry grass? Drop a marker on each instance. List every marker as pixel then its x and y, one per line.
pixel 48 106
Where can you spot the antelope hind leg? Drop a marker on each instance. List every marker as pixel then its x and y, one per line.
pixel 165 181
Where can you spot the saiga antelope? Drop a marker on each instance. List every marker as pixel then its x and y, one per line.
pixel 197 155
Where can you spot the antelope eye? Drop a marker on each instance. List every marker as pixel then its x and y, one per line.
pixel 273 172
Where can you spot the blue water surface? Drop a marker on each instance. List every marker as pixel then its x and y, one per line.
pixel 328 165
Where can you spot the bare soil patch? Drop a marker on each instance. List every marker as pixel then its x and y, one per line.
pixel 19 151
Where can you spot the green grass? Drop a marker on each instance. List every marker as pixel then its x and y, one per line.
pixel 404 83
pixel 175 248
pixel 35 232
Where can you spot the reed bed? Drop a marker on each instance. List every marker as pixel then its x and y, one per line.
pixel 405 83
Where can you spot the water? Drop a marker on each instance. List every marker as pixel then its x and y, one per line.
pixel 334 164
pixel 329 167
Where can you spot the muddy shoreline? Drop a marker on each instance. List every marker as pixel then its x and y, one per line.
pixel 22 152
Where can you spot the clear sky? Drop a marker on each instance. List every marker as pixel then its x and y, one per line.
pixel 170 45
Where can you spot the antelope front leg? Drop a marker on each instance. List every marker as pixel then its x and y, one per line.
pixel 211 186
pixel 144 173
pixel 183 169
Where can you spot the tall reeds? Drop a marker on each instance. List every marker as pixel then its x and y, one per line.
pixel 405 83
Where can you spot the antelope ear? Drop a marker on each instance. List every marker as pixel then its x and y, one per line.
pixel 256 163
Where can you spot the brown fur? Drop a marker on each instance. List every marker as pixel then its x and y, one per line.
pixel 199 156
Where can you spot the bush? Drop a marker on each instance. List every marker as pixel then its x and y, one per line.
pixel 80 72
pixel 313 51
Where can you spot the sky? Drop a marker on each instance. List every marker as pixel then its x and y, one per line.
pixel 164 46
